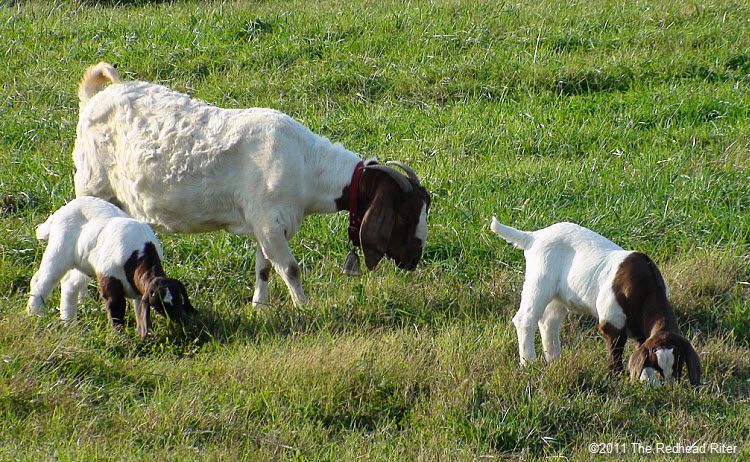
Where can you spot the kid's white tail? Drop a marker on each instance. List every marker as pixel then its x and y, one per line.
pixel 520 239
pixel 42 231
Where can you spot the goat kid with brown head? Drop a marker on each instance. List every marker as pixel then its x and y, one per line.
pixel 89 237
pixel 569 267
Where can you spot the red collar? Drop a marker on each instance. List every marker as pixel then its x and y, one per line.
pixel 355 218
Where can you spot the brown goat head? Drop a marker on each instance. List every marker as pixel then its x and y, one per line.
pixel 665 353
pixel 395 220
pixel 168 297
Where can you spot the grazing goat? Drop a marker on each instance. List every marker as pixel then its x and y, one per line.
pixel 89 237
pixel 569 267
pixel 182 165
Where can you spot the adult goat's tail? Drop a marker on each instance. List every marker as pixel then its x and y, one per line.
pixel 520 239
pixel 94 79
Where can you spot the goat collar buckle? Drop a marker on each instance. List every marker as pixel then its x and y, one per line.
pixel 355 217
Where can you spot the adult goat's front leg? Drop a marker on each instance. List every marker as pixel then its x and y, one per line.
pixel 262 273
pixel 276 250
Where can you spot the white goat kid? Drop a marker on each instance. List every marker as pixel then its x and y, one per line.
pixel 184 166
pixel 89 237
pixel 569 267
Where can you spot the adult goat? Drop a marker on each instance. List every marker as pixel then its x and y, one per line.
pixel 182 165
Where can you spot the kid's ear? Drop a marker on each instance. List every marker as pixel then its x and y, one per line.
pixel 143 316
pixel 186 300
pixel 637 362
pixel 691 359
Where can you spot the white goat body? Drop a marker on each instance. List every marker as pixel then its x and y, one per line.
pixel 138 141
pixel 569 267
pixel 572 265
pixel 87 237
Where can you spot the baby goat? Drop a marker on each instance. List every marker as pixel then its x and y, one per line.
pixel 182 165
pixel 90 237
pixel 569 267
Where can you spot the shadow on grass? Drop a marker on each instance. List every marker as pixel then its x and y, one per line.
pixel 17 202
pixel 249 324
pixel 594 81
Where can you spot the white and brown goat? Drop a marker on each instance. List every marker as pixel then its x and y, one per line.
pixel 89 237
pixel 182 165
pixel 569 267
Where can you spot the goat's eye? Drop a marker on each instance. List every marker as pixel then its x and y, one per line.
pixel 654 350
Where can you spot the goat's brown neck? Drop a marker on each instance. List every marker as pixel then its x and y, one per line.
pixel 355 214
pixel 365 191
pixel 141 270
pixel 661 321
pixel 368 184
pixel 642 294
pixel 357 197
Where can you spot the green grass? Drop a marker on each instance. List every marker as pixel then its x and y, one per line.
pixel 630 118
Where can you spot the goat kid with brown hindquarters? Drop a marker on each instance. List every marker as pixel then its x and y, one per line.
pixel 182 165
pixel 569 267
pixel 89 237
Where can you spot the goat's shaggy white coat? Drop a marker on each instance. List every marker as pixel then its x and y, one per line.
pixel 182 165
pixel 292 172
pixel 87 237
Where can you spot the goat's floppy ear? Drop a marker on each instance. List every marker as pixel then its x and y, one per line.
pixel 691 359
pixel 636 363
pixel 376 228
pixel 143 316
pixel 185 299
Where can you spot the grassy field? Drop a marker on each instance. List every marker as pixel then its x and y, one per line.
pixel 628 117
